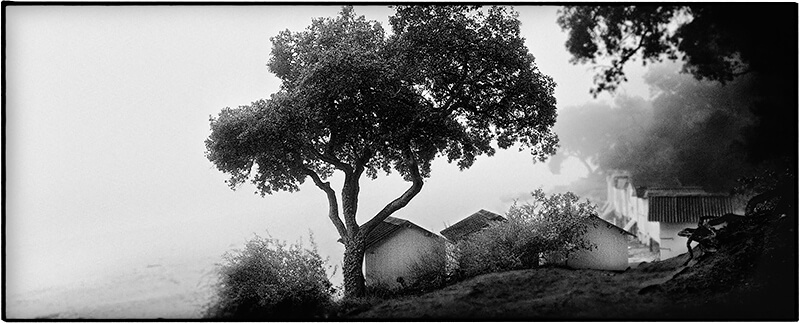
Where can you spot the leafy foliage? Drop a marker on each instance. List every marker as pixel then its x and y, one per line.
pixel 618 33
pixel 711 39
pixel 450 80
pixel 715 42
pixel 270 279
pixel 546 224
pixel 695 136
pixel 690 133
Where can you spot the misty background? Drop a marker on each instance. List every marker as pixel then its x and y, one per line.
pixel 109 194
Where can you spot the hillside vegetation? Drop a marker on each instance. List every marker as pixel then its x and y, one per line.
pixel 753 275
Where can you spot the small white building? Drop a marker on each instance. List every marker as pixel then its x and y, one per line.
pixel 397 248
pixel 610 250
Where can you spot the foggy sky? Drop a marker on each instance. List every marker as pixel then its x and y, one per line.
pixel 107 112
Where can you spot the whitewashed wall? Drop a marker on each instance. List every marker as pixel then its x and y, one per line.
pixel 393 257
pixel 611 252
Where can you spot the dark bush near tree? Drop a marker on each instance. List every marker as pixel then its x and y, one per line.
pixel 270 280
pixel 546 226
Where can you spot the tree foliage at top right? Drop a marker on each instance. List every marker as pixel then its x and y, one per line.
pixel 717 42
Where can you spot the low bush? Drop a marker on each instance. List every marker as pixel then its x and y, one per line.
pixel 545 226
pixel 270 279
pixel 430 272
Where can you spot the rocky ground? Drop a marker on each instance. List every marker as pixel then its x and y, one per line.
pixel 752 276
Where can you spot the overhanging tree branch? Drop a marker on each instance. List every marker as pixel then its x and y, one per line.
pixel 330 159
pixel 333 204
pixel 402 201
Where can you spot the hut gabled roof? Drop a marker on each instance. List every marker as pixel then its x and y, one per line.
pixel 389 226
pixel 470 224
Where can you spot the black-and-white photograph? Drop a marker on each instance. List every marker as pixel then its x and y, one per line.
pixel 420 161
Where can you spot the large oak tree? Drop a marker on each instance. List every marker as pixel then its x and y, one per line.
pixel 448 81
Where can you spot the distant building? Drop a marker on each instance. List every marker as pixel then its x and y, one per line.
pixel 471 224
pixel 676 209
pixel 655 215
pixel 395 247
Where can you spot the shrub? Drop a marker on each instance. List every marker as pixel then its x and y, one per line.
pixel 270 279
pixel 430 271
pixel 545 226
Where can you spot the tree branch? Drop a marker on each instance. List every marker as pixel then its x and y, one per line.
pixel 333 204
pixel 330 159
pixel 626 56
pixel 747 71
pixel 361 161
pixel 588 167
pixel 328 156
pixel 402 201
pixel 351 189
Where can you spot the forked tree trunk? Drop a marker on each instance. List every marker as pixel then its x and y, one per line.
pixel 354 284
pixel 353 235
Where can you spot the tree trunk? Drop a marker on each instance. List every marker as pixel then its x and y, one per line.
pixel 354 285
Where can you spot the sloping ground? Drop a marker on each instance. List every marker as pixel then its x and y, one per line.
pixel 752 276
pixel 170 289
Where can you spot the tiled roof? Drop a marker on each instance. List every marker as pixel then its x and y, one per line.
pixel 677 191
pixel 470 224
pixel 389 226
pixel 683 206
pixel 609 225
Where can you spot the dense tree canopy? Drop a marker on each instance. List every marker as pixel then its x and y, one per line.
pixel 717 42
pixel 689 133
pixel 449 81
pixel 695 136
